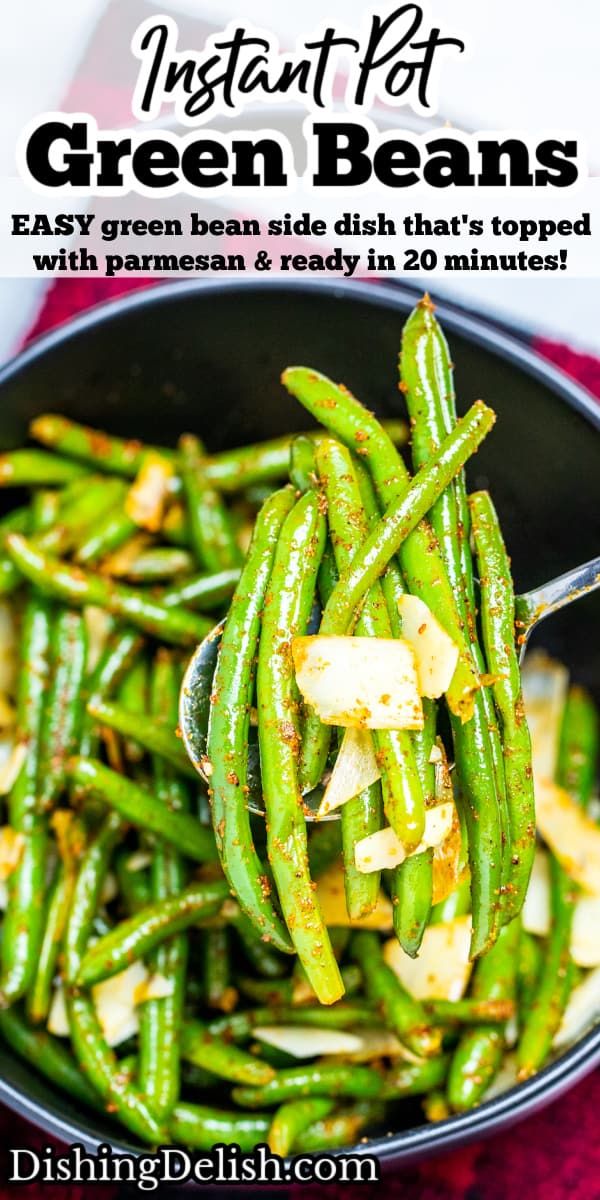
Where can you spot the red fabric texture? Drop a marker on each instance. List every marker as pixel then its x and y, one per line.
pixel 551 1156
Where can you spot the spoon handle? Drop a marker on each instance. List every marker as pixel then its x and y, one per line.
pixel 532 607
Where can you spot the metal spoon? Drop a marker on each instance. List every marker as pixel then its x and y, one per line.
pixel 194 701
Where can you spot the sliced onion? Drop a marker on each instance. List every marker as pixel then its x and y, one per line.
pixel 585 932
pixel 355 769
pixel 3 896
pixel 115 1003
pixel 119 563
pixel 11 849
pixel 537 917
pixel 545 685
pixel 365 683
pixel 582 1011
pixel 504 1080
pixel 58 1022
pixel 306 1041
pixel 436 654
pixel 147 497
pixel 139 860
pixel 449 870
pixel 442 969
pixel 332 902
pixel 110 888
pixel 379 1043
pixel 383 849
pixel 98 623
pixel 155 987
pixel 8 713
pixel 570 834
pixel 11 766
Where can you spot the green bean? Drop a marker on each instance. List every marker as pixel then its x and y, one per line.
pixel 17 521
pixel 62 714
pixel 75 586
pixel 262 958
pixel 469 1011
pixel 151 733
pixel 202 1128
pixel 326 1079
pixel 229 721
pixel 161 1017
pixel 86 893
pixel 266 462
pixel 302 463
pixel 412 881
pixel 498 623
pixel 25 913
pixel 529 966
pixel 140 933
pixel 134 885
pixel 242 1025
pixel 457 904
pixel 35 468
pixel 428 385
pixel 218 990
pixel 44 508
pixel 406 505
pixel 578 753
pixel 577 765
pixel 201 1046
pixel 324 847
pixel 102 1067
pixel 202 591
pixel 95 1057
pixel 106 535
pixel 292 1119
pixel 117 456
pixel 415 1078
pixel 139 807
pixel 402 1013
pixel 155 564
pixel 403 800
pixel 289 598
pixel 340 1129
pixel 210 524
pixel 479 1054
pixel 133 698
pixel 76 514
pixel 114 663
pixel 48 1056
pixel 58 907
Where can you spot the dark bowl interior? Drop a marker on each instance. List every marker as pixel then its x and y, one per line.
pixel 208 358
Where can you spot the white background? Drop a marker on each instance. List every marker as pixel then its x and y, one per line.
pixel 533 64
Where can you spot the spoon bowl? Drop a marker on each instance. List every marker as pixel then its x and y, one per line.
pixel 194 700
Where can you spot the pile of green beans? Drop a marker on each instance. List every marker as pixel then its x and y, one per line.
pixel 126 862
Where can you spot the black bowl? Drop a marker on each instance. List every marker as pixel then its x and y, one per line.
pixel 208 357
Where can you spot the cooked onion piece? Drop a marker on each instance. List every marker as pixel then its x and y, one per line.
pixel 355 769
pixel 442 969
pixel 383 849
pixel 545 685
pixel 582 1011
pixel 147 497
pixel 365 683
pixel 436 655
pixel 536 914
pixel 332 902
pixel 570 834
pixel 306 1041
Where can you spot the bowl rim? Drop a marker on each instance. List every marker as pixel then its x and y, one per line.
pixel 578 1060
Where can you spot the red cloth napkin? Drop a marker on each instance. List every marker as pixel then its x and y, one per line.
pixel 551 1156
